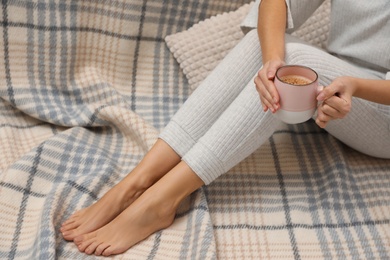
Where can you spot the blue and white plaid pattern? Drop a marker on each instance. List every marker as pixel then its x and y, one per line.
pixel 303 194
pixel 86 86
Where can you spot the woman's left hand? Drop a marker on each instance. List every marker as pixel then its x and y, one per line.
pixel 336 101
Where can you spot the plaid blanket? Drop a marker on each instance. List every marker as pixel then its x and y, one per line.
pixel 85 88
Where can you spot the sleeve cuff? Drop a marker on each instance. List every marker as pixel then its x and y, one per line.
pixel 250 20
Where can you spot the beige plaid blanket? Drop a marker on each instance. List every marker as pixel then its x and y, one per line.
pixel 85 87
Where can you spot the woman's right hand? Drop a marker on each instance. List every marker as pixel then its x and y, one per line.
pixel 264 81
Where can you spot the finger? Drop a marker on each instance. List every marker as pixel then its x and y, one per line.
pixel 265 108
pixel 269 102
pixel 266 104
pixel 259 90
pixel 260 71
pixel 320 123
pixel 271 72
pixel 331 111
pixel 265 96
pixel 327 92
pixel 270 93
pixel 273 67
pixel 323 118
pixel 269 106
pixel 341 105
pixel 275 95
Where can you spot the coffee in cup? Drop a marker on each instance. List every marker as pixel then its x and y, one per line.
pixel 295 80
pixel 298 88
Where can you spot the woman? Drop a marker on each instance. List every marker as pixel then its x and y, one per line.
pixel 219 126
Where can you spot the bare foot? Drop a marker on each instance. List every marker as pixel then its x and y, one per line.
pixel 157 162
pixel 141 219
pixel 154 210
pixel 99 213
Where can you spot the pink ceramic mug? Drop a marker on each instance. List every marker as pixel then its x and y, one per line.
pixel 298 88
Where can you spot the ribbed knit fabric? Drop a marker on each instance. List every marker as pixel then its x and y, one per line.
pixel 237 133
pixel 359 30
pixel 208 103
pixel 367 127
pixel 222 122
pixel 215 94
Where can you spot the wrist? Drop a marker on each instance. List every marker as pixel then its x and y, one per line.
pixel 350 84
pixel 275 57
pixel 353 85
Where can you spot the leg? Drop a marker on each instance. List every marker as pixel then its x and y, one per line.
pixel 157 162
pixel 367 127
pixel 196 116
pixel 214 95
pixel 237 132
pixel 154 210
pixel 241 129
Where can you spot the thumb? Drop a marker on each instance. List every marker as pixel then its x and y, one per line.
pixel 274 65
pixel 327 92
pixel 271 73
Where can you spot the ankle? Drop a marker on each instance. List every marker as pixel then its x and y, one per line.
pixel 164 203
pixel 141 179
pixel 127 191
pixel 163 207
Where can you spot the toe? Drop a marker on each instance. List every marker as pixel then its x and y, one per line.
pixel 91 248
pixel 69 226
pixel 100 249
pixel 79 239
pixel 68 235
pixel 84 245
pixel 108 251
pixel 71 219
pixel 85 238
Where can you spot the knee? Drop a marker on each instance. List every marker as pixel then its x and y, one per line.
pixel 302 54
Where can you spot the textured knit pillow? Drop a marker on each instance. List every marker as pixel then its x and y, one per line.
pixel 199 49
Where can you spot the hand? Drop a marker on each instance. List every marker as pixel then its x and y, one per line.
pixel 265 85
pixel 336 101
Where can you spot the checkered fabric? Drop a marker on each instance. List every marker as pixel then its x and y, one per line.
pixel 303 194
pixel 85 88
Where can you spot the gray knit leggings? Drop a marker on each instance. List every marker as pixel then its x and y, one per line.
pixel 222 122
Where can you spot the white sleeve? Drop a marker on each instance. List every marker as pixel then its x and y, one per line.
pixel 298 11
